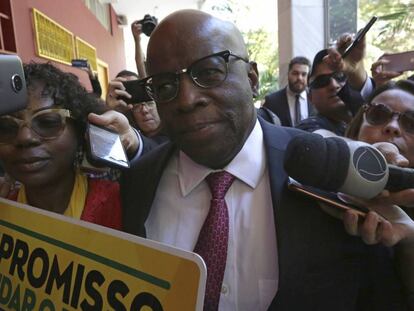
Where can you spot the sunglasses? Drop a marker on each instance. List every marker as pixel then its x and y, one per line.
pixel 47 124
pixel 207 72
pixel 381 114
pixel 324 80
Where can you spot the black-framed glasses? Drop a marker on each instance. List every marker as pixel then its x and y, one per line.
pixel 207 72
pixel 324 80
pixel 47 123
pixel 381 114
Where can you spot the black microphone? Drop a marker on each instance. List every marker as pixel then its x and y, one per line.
pixel 351 167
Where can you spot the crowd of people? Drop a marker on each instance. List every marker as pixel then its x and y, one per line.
pixel 207 171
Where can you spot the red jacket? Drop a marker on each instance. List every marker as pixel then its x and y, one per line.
pixel 103 203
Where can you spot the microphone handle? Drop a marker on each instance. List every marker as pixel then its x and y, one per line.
pixel 399 178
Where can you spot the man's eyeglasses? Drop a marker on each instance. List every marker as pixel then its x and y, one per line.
pixel 47 124
pixel 324 80
pixel 207 72
pixel 381 114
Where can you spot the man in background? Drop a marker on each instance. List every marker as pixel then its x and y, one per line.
pixel 291 103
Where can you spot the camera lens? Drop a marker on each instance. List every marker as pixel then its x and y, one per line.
pixel 17 83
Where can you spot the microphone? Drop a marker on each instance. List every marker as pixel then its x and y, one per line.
pixel 351 167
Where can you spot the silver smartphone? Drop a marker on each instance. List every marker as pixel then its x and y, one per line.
pixel 105 148
pixel 13 92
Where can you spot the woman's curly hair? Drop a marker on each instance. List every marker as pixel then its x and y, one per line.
pixel 65 90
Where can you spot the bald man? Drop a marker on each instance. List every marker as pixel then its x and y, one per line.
pixel 219 188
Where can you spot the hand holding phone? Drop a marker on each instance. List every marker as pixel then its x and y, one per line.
pixel 399 62
pixel 13 92
pixel 105 148
pixel 80 63
pixel 359 36
pixel 329 198
pixel 137 91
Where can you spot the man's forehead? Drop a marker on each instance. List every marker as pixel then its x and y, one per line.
pixel 183 38
pixel 300 68
pixel 321 69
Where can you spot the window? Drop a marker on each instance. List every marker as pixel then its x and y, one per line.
pixel 7 39
pixel 101 11
pixel 86 51
pixel 341 18
pixel 52 40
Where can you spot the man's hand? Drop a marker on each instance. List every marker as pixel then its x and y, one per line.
pixel 115 90
pixel 394 157
pixel 119 123
pixel 353 64
pixel 136 29
pixel 385 223
pixel 392 154
pixel 379 75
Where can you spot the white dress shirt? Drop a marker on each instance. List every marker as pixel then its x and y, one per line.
pixel 303 100
pixel 181 205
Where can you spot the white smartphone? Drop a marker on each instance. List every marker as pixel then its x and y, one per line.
pixel 13 92
pixel 105 148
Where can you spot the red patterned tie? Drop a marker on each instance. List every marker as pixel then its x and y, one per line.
pixel 213 239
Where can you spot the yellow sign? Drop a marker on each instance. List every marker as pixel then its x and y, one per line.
pixel 51 262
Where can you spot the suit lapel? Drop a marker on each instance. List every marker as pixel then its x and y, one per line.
pixel 285 107
pixel 139 185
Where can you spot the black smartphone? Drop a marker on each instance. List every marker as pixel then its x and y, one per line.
pixel 105 148
pixel 330 198
pixel 137 90
pixel 81 63
pixel 13 92
pixel 359 36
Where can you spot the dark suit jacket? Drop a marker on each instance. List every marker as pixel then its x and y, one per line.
pixel 278 103
pixel 320 266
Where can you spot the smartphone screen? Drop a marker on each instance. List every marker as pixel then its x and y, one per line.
pixel 13 92
pixel 106 147
pixel 359 36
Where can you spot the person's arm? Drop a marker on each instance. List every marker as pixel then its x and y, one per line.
pixel 96 86
pixel 136 29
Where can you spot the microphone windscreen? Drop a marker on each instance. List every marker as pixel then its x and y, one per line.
pixel 316 161
pixel 399 178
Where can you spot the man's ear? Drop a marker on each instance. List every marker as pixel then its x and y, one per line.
pixel 253 76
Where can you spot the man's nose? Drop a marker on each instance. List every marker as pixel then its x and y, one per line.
pixel 393 127
pixel 334 84
pixel 189 94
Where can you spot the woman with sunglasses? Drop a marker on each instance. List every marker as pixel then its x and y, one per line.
pixel 387 122
pixel 40 148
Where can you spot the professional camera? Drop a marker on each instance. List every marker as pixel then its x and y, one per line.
pixel 148 24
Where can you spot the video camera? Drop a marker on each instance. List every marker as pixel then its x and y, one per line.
pixel 148 24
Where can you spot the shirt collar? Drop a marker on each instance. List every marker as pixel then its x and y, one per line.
pixel 248 165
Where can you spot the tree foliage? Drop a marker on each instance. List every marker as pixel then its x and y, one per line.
pixel 263 49
pixel 261 45
pixel 394 31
